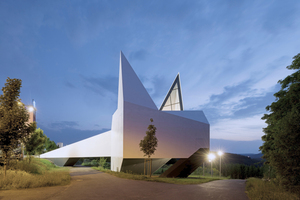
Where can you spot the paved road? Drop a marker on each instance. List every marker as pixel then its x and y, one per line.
pixel 90 184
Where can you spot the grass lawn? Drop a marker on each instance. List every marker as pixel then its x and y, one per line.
pixel 183 181
pixel 39 173
pixel 257 189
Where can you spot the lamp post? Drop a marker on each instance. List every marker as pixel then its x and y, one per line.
pixel 220 153
pixel 211 157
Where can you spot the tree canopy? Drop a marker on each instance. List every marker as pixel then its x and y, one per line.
pixel 14 124
pixel 38 143
pixel 281 147
pixel 35 143
pixel 49 145
pixel 149 143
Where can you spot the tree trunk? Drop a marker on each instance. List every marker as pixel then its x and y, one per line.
pixel 22 145
pixel 150 167
pixel 5 160
pixel 145 166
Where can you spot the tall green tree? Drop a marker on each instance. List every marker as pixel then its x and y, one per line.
pixel 39 143
pixel 35 143
pixel 148 144
pixel 50 145
pixel 13 119
pixel 281 147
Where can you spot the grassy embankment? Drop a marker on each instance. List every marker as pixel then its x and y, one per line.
pixel 39 173
pixel 257 189
pixel 184 181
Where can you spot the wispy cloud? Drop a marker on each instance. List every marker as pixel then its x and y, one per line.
pixel 138 55
pixel 238 147
pixel 101 85
pixel 70 134
pixel 245 129
pixel 69 85
pixel 63 124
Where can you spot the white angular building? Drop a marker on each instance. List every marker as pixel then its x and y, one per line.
pixel 183 135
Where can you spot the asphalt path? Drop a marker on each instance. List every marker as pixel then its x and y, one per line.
pixel 91 184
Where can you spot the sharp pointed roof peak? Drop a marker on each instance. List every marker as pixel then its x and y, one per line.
pixel 132 89
pixel 168 105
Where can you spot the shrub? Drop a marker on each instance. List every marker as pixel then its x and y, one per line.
pixel 21 179
pixel 264 189
pixel 39 173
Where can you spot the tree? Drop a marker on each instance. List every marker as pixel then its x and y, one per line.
pixel 13 119
pixel 102 162
pixel 148 144
pixel 50 145
pixel 35 143
pixel 281 146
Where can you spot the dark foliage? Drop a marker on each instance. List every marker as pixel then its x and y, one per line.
pixel 149 143
pixel 281 146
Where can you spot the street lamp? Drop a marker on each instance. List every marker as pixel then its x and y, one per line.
pixel 220 153
pixel 30 108
pixel 211 157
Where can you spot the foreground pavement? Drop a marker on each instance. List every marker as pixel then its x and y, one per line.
pixel 90 184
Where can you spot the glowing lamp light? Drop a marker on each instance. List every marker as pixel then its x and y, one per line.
pixel 211 156
pixel 220 153
pixel 30 109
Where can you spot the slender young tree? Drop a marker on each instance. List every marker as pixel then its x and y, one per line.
pixel 148 144
pixel 13 119
pixel 281 147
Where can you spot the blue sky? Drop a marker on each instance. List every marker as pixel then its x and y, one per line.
pixel 230 55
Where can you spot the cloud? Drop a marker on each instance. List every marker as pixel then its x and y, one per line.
pixel 280 15
pixel 69 135
pixel 101 85
pixel 238 147
pixel 235 98
pixel 138 55
pixel 242 129
pixel 70 85
pixel 63 124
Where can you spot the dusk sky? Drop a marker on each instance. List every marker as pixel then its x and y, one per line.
pixel 230 56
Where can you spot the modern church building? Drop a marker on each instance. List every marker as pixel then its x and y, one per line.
pixel 182 135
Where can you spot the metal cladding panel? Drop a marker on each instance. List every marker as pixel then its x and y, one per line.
pixel 197 115
pixel 96 146
pixel 178 137
pixel 133 89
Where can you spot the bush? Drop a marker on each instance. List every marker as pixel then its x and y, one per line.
pixel 24 166
pixel 20 179
pixel 265 189
pixel 100 162
pixel 39 173
pixel 207 171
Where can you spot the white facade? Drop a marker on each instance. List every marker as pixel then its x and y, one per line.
pixel 180 133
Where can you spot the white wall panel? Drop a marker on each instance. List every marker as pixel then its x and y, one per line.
pixel 96 146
